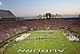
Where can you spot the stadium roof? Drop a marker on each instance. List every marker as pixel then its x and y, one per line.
pixel 6 14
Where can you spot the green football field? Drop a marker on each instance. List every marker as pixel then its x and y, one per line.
pixel 43 42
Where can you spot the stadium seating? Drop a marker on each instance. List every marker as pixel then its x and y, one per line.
pixel 6 14
pixel 8 29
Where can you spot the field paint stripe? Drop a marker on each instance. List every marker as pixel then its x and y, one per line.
pixel 75 47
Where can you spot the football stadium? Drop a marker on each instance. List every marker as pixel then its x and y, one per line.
pixel 47 33
pixel 39 36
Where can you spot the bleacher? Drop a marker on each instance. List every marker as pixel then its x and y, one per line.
pixel 9 26
pixel 8 29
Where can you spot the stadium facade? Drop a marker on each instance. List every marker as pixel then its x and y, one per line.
pixel 6 14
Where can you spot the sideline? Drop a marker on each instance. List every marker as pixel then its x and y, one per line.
pixel 22 37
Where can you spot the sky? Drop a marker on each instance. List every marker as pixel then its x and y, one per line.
pixel 36 7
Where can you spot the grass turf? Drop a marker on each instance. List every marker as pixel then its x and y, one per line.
pixel 56 43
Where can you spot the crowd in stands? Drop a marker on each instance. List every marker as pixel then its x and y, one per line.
pixel 6 14
pixel 8 29
pixel 73 23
